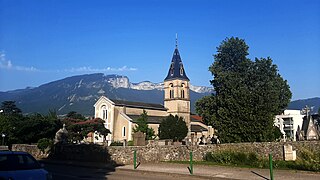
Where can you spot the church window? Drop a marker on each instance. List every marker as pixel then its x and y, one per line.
pixel 171 94
pixel 124 132
pixel 171 91
pixel 104 112
pixel 182 90
pixel 171 69
pixel 181 70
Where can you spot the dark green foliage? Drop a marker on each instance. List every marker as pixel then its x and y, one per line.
pixel 307 160
pixel 276 133
pixel 142 126
pixel 248 95
pixel 116 143
pixel 27 129
pixel 234 158
pixel 35 127
pixel 173 127
pixel 75 115
pixel 10 108
pixel 44 143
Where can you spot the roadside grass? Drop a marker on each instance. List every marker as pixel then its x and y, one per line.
pixel 306 161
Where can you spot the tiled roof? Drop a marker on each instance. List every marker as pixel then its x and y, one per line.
pixel 197 128
pixel 139 105
pixel 196 118
pixel 151 119
pixel 176 70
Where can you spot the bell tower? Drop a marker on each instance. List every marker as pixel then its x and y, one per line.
pixel 176 89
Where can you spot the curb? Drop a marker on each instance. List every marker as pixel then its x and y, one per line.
pixel 174 174
pixel 72 163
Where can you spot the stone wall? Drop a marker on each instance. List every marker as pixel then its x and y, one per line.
pixel 124 155
pixel 32 149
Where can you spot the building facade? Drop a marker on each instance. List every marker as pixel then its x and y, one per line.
pixel 288 123
pixel 121 116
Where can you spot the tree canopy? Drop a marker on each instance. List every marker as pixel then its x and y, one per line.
pixel 79 127
pixel 10 108
pixel 26 129
pixel 173 127
pixel 142 126
pixel 248 94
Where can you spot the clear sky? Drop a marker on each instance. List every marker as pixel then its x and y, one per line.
pixel 46 40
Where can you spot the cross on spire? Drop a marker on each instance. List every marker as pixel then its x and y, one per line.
pixel 176 40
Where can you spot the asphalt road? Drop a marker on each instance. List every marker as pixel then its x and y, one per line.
pixel 68 172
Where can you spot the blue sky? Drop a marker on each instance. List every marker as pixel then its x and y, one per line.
pixel 46 40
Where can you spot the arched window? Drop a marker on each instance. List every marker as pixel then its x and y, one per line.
pixel 181 69
pixel 104 112
pixel 171 91
pixel 124 131
pixel 182 93
pixel 171 69
pixel 182 90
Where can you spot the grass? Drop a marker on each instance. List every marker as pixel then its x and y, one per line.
pixel 307 161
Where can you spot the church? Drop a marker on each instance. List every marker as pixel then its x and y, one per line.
pixel 121 116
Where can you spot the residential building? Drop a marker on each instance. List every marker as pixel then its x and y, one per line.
pixel 288 123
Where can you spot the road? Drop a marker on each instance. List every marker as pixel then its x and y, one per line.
pixel 68 172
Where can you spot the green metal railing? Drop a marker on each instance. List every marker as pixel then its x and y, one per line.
pixel 271 166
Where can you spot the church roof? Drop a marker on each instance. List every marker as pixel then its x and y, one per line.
pixel 151 119
pixel 139 105
pixel 176 70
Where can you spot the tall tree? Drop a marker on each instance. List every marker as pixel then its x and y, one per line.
pixel 173 127
pixel 10 108
pixel 142 126
pixel 248 94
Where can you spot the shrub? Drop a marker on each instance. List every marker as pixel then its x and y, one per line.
pixel 116 143
pixel 44 143
pixel 307 161
pixel 230 157
pixel 130 143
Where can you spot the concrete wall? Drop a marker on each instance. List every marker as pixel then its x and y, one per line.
pixel 124 155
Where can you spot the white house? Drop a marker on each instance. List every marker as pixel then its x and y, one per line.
pixel 288 123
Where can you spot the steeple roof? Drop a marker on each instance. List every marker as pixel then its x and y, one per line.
pixel 176 70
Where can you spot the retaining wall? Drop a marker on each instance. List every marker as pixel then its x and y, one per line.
pixel 124 155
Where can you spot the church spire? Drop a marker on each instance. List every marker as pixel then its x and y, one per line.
pixel 176 70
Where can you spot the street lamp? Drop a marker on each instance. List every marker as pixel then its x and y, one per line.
pixel 3 136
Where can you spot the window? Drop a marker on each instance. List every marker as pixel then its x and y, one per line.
pixel 124 132
pixel 181 70
pixel 171 91
pixel 171 94
pixel 171 69
pixel 104 112
pixel 182 93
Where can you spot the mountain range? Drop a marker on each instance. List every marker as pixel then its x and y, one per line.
pixel 79 93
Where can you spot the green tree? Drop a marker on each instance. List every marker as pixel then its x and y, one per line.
pixel 36 126
pixel 248 94
pixel 142 126
pixel 173 127
pixel 10 108
pixel 26 129
pixel 79 127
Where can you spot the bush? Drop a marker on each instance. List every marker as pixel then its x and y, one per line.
pixel 307 161
pixel 44 143
pixel 230 157
pixel 116 143
pixel 130 143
